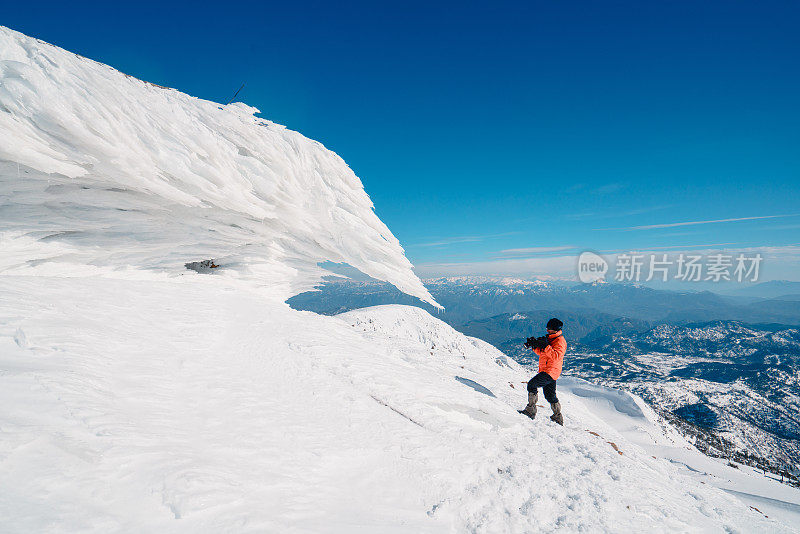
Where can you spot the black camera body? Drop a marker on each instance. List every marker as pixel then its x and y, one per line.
pixel 537 342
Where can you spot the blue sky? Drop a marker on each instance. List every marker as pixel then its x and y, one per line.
pixel 540 128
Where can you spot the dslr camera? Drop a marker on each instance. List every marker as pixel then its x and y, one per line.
pixel 537 342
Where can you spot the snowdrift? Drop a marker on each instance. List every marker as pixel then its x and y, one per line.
pixel 99 168
pixel 205 406
pixel 137 400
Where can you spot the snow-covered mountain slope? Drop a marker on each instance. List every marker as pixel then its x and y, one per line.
pixel 138 396
pixel 202 404
pixel 633 420
pixel 103 169
pixel 734 388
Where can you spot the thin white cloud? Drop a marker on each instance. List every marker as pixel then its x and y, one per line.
pixel 575 187
pixel 615 214
pixel 785 227
pixel 448 241
pixel 461 239
pixel 516 252
pixel 608 188
pixel 710 246
pixel 691 223
pixel 558 266
pixel 790 251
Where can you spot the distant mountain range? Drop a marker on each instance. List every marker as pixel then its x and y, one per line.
pixel 773 288
pixel 724 369
pixel 733 387
pixel 467 299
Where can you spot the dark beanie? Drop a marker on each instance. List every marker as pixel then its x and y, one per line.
pixel 554 324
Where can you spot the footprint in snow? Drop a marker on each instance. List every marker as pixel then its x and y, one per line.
pixel 21 339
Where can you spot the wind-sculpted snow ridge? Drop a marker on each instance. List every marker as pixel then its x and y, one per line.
pixel 102 169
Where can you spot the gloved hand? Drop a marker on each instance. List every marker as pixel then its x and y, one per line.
pixel 541 342
pixel 530 342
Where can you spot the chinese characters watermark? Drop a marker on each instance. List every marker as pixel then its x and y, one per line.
pixel 662 267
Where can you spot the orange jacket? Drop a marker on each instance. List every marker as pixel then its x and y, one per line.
pixel 551 358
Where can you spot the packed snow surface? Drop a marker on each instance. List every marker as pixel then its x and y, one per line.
pixel 138 396
pixel 203 404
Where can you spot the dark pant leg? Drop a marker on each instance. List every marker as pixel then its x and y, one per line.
pixel 550 392
pixel 541 380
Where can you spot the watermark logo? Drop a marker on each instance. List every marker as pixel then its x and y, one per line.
pixel 687 267
pixel 663 267
pixel 591 267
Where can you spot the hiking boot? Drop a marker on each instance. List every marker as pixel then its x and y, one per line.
pixel 530 409
pixel 557 417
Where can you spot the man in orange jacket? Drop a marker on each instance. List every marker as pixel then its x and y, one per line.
pixel 551 350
